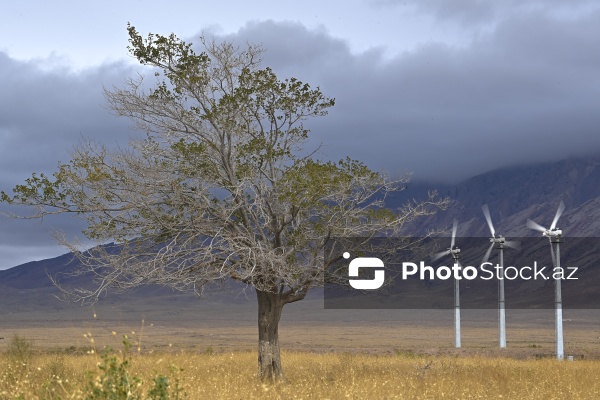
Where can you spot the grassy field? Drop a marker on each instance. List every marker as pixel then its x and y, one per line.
pixel 312 376
pixel 328 354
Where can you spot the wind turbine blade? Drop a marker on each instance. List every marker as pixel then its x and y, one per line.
pixel 561 208
pixel 439 255
pixel 535 226
pixel 513 244
pixel 487 254
pixel 488 218
pixel 454 228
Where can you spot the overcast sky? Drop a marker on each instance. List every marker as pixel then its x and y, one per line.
pixel 446 89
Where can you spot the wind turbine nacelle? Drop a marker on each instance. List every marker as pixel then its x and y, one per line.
pixel 552 233
pixel 499 239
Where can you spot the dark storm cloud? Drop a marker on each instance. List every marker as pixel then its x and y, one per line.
pixel 529 91
pixel 43 114
pixel 474 12
pixel 526 91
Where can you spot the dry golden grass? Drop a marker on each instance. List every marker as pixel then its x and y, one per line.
pixel 400 354
pixel 318 376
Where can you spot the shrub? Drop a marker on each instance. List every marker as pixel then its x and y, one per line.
pixel 115 382
pixel 20 351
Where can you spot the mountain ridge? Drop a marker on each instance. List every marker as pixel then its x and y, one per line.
pixel 513 194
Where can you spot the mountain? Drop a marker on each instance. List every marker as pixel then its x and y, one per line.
pixel 513 195
pixel 34 275
pixel 517 193
pixel 28 288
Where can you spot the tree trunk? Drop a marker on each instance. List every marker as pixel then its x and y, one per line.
pixel 269 358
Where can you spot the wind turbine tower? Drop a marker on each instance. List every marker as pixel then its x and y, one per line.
pixel 499 242
pixel 455 252
pixel 555 236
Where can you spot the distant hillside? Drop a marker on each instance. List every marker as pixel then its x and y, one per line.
pixel 34 275
pixel 28 286
pixel 513 195
pixel 518 193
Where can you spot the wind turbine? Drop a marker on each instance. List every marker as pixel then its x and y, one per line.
pixel 499 242
pixel 455 252
pixel 555 236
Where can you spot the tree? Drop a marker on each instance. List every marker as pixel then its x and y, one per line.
pixel 220 186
